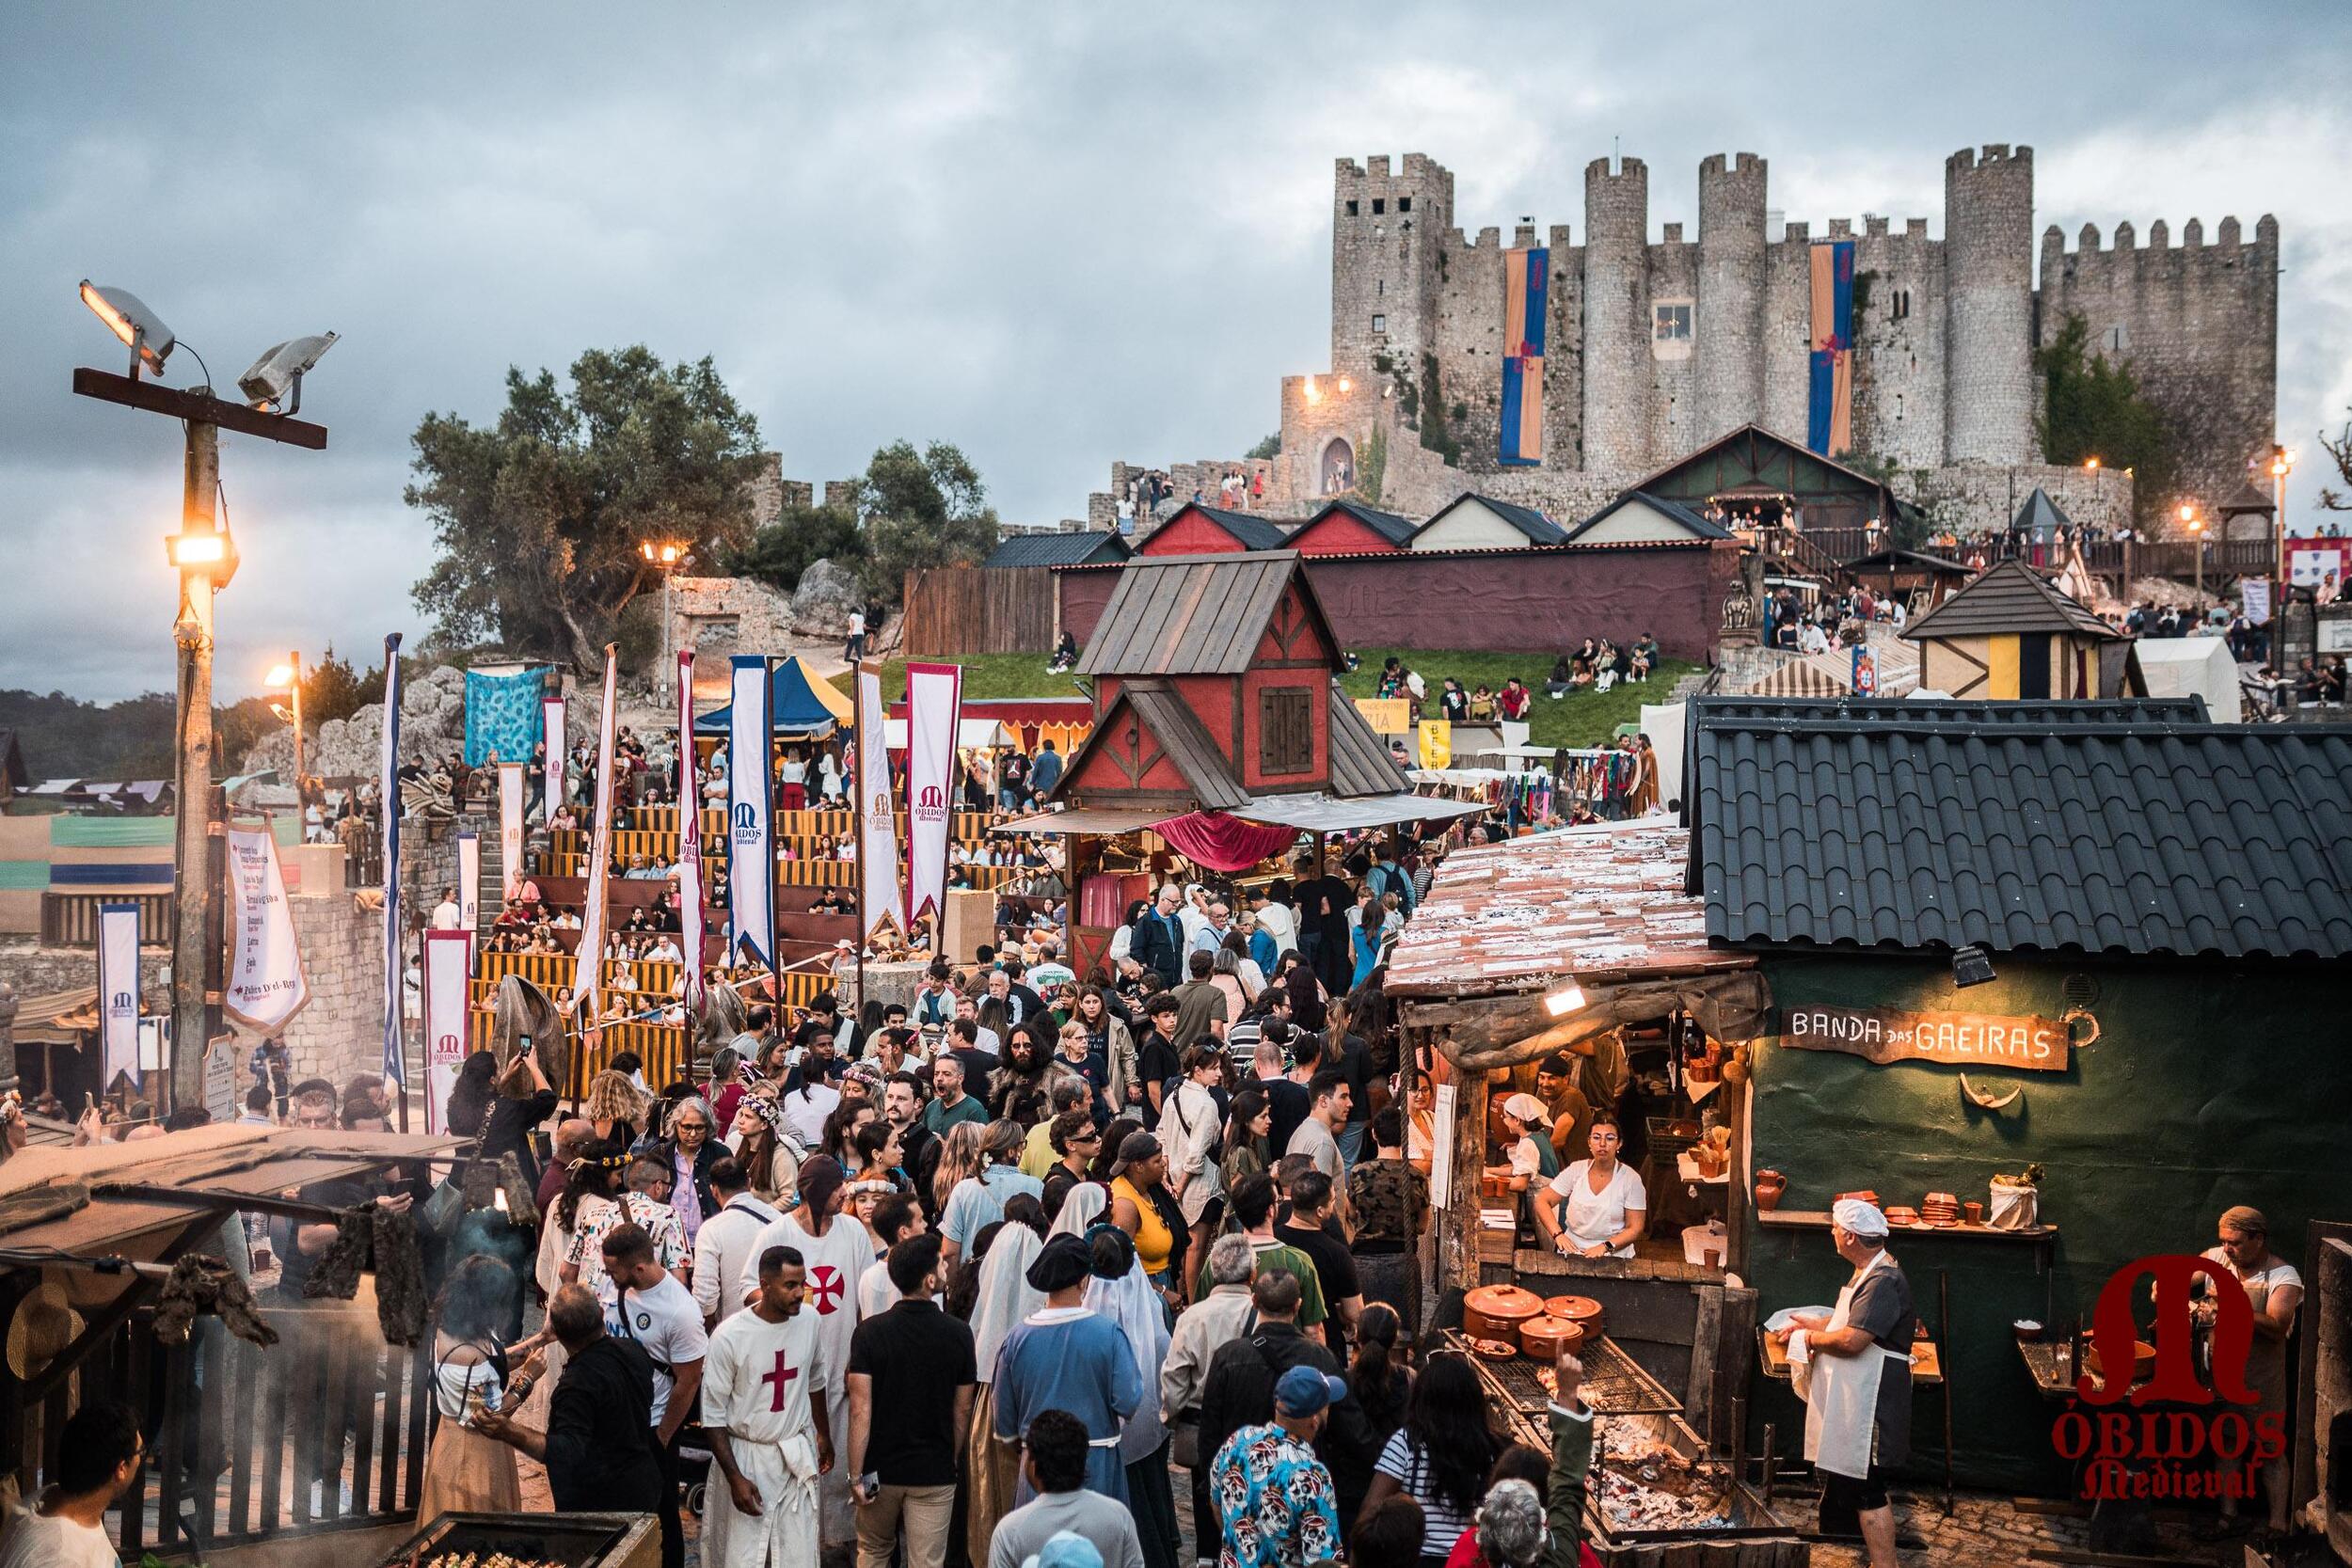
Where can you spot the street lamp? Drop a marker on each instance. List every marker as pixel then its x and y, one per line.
pixel 205 557
pixel 2281 465
pixel 2194 527
pixel 288 677
pixel 669 556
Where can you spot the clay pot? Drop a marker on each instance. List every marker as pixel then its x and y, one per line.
pixel 1496 1311
pixel 1770 1185
pixel 1545 1338
pixel 2143 1361
pixel 1584 1311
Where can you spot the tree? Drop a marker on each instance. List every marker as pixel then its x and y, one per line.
pixel 332 688
pixel 779 553
pixel 2095 409
pixel 2339 449
pixel 538 519
pixel 1270 447
pixel 921 509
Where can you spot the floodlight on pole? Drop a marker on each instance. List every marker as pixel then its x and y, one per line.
pixel 288 677
pixel 1567 999
pixel 275 382
pixel 127 317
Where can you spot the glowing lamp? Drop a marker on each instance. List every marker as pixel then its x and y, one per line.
pixel 1567 999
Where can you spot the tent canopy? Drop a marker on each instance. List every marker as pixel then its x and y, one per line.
pixel 799 702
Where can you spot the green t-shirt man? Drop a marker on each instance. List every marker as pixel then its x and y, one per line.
pixel 1274 1255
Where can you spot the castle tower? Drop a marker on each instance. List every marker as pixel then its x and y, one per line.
pixel 1730 325
pixel 1988 306
pixel 1386 230
pixel 1616 317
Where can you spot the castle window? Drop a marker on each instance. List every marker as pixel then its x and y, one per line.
pixel 1902 303
pixel 1379 287
pixel 1286 730
pixel 2114 339
pixel 1670 328
pixel 1379 323
pixel 1403 203
pixel 1351 209
pixel 1379 205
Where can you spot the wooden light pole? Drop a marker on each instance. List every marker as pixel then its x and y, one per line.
pixel 206 559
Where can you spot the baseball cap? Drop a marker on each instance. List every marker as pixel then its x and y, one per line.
pixel 1303 1390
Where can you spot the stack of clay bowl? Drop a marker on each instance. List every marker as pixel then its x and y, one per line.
pixel 1495 1312
pixel 1940 1209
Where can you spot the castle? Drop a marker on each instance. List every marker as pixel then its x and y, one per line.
pixel 1646 350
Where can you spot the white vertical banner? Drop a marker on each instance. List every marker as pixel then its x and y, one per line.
pixel 878 838
pixel 551 734
pixel 510 832
pixel 118 993
pixel 750 816
pixel 266 985
pixel 690 840
pixel 388 797
pixel 446 956
pixel 934 702
pixel 587 958
pixel 469 881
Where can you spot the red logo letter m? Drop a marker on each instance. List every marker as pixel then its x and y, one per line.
pixel 2175 1380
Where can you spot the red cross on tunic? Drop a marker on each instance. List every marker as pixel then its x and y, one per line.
pixel 825 1284
pixel 782 1375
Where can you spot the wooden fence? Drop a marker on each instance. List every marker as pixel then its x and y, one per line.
pixel 979 610
pixel 71 919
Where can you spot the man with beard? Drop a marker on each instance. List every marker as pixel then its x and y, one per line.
pixel 918 1146
pixel 1022 1089
pixel 835 1249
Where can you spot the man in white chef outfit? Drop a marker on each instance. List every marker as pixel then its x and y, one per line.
pixel 1853 1369
pixel 764 1414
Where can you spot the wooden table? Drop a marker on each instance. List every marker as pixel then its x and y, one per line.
pixel 1927 1363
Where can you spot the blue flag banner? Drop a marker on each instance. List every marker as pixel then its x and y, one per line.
pixel 751 822
pixel 502 714
pixel 388 793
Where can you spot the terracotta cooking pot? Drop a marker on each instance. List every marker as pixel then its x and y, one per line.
pixel 1496 1311
pixel 1584 1311
pixel 2143 1361
pixel 1545 1338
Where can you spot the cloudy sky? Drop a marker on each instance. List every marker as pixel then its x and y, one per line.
pixel 1051 233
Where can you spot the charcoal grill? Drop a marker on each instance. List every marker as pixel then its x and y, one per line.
pixel 1614 1383
pixel 574 1540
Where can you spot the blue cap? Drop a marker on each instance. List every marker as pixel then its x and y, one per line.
pixel 1067 1549
pixel 1303 1390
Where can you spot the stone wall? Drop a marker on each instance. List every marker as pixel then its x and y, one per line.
pixel 1971 496
pixel 719 617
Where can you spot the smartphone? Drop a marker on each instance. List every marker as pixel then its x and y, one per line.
pixel 523 1049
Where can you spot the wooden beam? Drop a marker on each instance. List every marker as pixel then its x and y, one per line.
pixel 198 408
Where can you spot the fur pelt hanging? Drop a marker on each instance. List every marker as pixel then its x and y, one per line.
pixel 199 1285
pixel 523 1008
pixel 373 1239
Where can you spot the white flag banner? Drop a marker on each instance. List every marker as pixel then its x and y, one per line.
pixel 388 795
pixel 751 817
pixel 446 956
pixel 934 701
pixel 878 838
pixel 469 881
pixel 690 840
pixel 266 985
pixel 552 732
pixel 2257 591
pixel 510 832
pixel 118 993
pixel 586 965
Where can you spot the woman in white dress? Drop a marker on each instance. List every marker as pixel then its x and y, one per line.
pixel 1597 1208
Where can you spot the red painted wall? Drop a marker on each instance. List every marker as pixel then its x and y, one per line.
pixel 1189 533
pixel 1542 600
pixel 1318 683
pixel 1339 534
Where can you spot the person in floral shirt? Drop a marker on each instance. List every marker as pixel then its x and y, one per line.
pixel 1273 1495
pixel 645 1203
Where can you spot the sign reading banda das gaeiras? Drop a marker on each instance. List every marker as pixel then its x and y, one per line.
pixel 1882 1035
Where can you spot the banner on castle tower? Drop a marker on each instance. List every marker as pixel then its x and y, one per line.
pixel 1525 274
pixel 1828 425
pixel 934 699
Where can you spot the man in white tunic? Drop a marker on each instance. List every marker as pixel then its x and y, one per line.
pixel 764 1414
pixel 836 1251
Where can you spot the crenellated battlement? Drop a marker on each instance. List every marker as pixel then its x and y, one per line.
pixel 2228 238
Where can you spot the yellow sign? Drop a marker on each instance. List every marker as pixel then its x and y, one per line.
pixel 1387 715
pixel 1436 743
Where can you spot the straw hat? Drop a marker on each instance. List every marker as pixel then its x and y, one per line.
pixel 43 1325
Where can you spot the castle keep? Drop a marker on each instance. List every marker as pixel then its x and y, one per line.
pixel 1650 349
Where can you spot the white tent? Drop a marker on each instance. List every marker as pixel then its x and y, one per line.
pixel 1663 723
pixel 2191 667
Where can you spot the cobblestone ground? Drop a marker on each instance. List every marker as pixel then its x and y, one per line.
pixel 1987 1530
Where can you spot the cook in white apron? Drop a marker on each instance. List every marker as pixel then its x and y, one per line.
pixel 2245 1251
pixel 1841 1392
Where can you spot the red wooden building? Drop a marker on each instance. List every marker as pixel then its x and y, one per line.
pixel 1351 528
pixel 1198 530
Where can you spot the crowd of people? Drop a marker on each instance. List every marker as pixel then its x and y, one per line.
pixel 1596 665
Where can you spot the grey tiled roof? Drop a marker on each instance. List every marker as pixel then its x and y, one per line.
pixel 1057 549
pixel 2008 596
pixel 1539 528
pixel 1387 525
pixel 1252 533
pixel 2067 833
pixel 1704 528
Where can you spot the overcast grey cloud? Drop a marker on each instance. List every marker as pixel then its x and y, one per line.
pixel 1054 234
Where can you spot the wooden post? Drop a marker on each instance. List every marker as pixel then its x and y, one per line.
pixel 1457 1241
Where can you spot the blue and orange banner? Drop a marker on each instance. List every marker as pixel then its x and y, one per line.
pixel 1525 273
pixel 1829 428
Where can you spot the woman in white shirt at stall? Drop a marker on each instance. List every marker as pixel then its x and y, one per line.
pixel 1597 1208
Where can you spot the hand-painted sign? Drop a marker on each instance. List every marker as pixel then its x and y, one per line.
pixel 1964 1039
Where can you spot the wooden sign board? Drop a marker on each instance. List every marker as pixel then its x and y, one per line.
pixel 1884 1035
